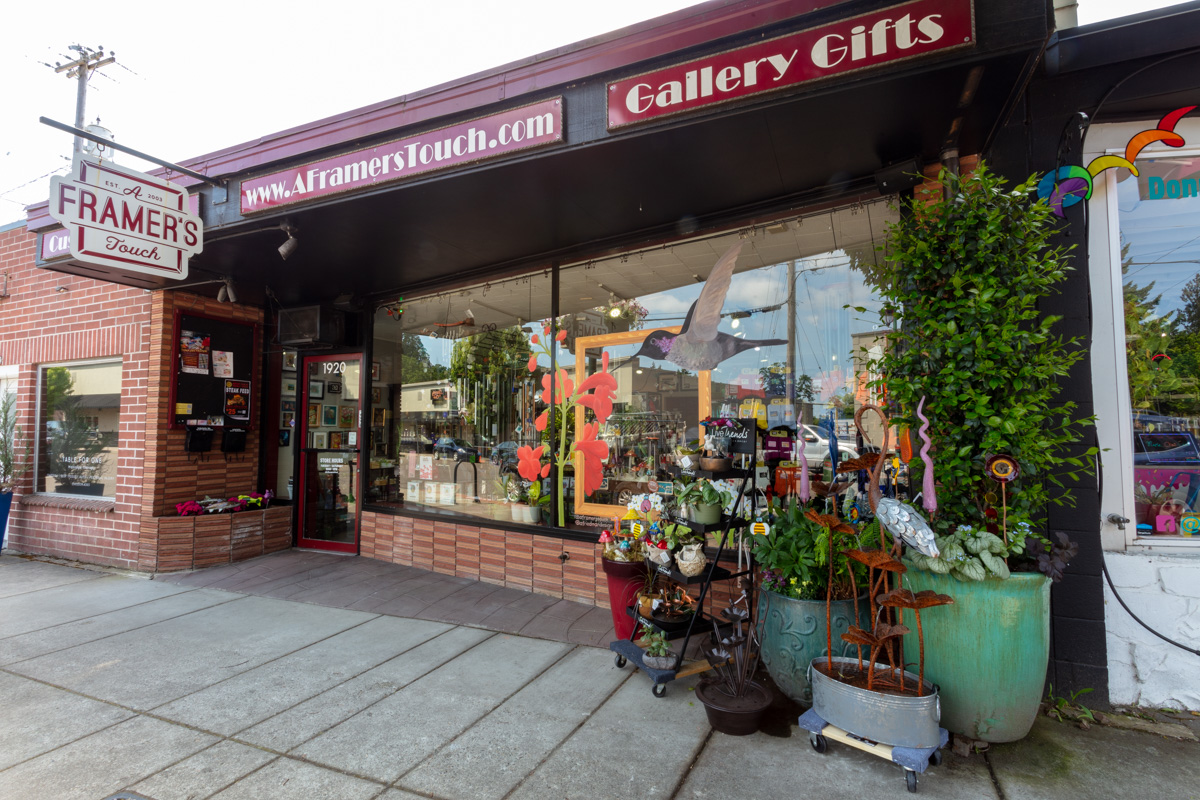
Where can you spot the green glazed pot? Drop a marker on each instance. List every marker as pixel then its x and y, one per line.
pixel 793 634
pixel 987 651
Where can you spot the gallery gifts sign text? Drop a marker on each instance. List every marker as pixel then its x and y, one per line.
pixel 467 142
pixel 892 34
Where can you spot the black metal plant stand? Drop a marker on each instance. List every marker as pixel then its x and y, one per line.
pixel 627 651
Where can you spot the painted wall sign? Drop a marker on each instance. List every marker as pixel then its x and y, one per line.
pixel 466 143
pixel 880 37
pixel 125 220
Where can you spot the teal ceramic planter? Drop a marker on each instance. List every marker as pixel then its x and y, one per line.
pixel 793 634
pixel 988 651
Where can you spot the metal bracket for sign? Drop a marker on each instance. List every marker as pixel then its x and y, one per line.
pixel 62 126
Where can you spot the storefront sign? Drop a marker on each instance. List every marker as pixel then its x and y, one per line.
pixel 465 143
pixel 893 34
pixel 125 220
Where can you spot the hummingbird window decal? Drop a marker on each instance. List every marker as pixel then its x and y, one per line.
pixel 699 345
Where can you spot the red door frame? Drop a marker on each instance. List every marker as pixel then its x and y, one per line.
pixel 307 452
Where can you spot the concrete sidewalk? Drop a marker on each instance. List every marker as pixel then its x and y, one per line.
pixel 173 690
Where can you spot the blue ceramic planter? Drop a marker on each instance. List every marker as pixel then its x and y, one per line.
pixel 793 634
pixel 5 505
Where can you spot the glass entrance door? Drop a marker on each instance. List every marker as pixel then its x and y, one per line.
pixel 329 457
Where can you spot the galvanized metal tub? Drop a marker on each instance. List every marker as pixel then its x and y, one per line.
pixel 885 718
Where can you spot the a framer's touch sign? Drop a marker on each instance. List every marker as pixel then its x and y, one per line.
pixel 893 34
pixel 124 220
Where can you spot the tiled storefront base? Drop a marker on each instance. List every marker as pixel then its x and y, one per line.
pixel 543 564
pixel 168 544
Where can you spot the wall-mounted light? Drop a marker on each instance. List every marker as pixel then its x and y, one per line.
pixel 226 293
pixel 62 289
pixel 287 248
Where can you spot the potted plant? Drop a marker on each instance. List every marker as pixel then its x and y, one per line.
pixel 701 501
pixel 535 499
pixel 623 559
pixel 658 653
pixel 14 456
pixel 966 269
pixel 792 606
pixel 733 700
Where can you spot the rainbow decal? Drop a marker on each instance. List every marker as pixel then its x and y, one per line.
pixel 1069 185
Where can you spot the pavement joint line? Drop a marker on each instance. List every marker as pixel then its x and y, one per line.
pixel 347 680
pixel 118 633
pixel 77 738
pixel 323 731
pixel 486 714
pixel 92 616
pixel 987 759
pixel 264 663
pixel 193 755
pixel 683 775
pixel 567 738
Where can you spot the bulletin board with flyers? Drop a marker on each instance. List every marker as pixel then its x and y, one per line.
pixel 212 372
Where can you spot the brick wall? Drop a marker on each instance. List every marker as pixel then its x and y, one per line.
pixel 51 317
pixel 39 323
pixel 515 559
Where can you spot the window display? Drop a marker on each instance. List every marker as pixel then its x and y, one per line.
pixel 1159 212
pixel 80 409
pixel 766 323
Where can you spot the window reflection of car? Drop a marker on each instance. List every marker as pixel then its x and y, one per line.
pixel 416 444
pixel 816 445
pixel 504 456
pixel 457 449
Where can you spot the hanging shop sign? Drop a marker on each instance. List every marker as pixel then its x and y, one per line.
pixel 466 143
pixel 898 33
pixel 124 221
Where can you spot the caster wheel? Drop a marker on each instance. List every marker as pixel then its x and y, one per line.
pixel 818 742
pixel 935 760
pixel 620 661
pixel 911 777
pixel 659 689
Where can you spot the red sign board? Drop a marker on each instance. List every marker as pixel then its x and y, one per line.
pixel 468 142
pixel 886 36
pixel 124 220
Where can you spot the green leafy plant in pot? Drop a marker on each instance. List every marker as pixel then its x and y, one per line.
pixel 14 456
pixel 965 270
pixel 701 501
pixel 793 557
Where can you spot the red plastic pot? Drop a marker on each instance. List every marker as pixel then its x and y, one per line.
pixel 624 580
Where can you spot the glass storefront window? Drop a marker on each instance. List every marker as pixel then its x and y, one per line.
pixel 80 408
pixel 452 400
pixel 1159 213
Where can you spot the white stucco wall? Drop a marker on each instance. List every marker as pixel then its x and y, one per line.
pixel 1164 591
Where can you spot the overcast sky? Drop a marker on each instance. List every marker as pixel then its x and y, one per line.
pixel 192 78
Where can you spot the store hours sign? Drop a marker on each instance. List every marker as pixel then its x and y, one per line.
pixel 123 221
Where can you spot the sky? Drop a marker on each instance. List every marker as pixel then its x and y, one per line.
pixel 194 78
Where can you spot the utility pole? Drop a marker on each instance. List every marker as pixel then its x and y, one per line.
pixel 86 62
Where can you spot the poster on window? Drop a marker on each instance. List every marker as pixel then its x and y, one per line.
pixel 425 470
pixel 222 364
pixel 194 352
pixel 237 400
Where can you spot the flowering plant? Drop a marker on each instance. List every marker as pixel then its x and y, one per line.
pixel 211 505
pixel 189 508
pixel 560 393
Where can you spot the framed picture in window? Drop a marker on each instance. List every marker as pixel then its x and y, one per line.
pixel 329 416
pixel 288 420
pixel 314 414
pixel 378 417
pixel 288 406
pixel 346 416
pixel 318 440
pixel 316 389
pixel 289 387
pixel 375 371
pixel 289 360
pixel 376 395
pixel 334 387
pixel 285 438
pixel 335 441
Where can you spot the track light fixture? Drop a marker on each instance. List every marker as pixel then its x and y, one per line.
pixel 287 248
pixel 226 293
